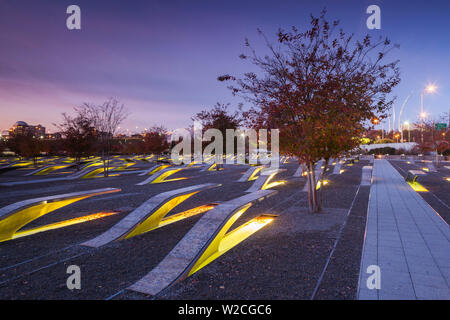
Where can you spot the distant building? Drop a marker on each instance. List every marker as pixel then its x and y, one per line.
pixel 21 128
pixel 4 134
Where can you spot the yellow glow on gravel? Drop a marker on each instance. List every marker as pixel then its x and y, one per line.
pixel 417 186
pixel 62 224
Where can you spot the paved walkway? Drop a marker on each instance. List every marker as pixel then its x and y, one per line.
pixel 407 239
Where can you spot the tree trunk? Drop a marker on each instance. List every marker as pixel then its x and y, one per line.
pixel 313 197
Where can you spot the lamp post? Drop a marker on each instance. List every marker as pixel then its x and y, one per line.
pixel 409 132
pixel 430 89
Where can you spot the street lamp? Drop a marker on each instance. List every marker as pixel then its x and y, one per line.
pixel 406 123
pixel 401 111
pixel 429 89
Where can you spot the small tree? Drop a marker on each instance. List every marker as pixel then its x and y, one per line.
pixel 106 119
pixel 156 141
pixel 78 136
pixel 319 89
pixel 219 118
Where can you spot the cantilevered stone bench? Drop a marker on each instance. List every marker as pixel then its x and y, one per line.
pixel 250 174
pixel 155 208
pixel 431 167
pixel 178 264
pixel 317 171
pixel 366 176
pixel 162 174
pixel 154 169
pixel 337 168
pixel 411 160
pixel 16 215
pixel 263 181
pixel 77 175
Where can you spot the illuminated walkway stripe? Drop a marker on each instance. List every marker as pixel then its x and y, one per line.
pixel 406 239
pixel 250 174
pixel 204 242
pixel 148 215
pixel 263 182
pixel 16 215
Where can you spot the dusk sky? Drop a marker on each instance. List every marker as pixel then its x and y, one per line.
pixel 162 58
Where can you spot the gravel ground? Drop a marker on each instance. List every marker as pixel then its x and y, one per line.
pixel 282 261
pixel 285 260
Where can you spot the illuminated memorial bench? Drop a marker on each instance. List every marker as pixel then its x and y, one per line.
pixel 161 176
pixel 251 174
pixel 300 172
pixel 366 176
pixel 431 167
pixel 155 168
pixel 337 168
pixel 90 172
pixel 213 167
pixel 263 182
pixel 206 241
pixel 150 215
pixel 14 216
pixel 317 170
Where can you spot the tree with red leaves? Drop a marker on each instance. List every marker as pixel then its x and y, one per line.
pixel 155 140
pixel 320 88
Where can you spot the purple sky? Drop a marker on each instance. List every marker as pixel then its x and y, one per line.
pixel 162 58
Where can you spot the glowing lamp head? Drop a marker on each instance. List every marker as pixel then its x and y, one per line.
pixel 430 88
